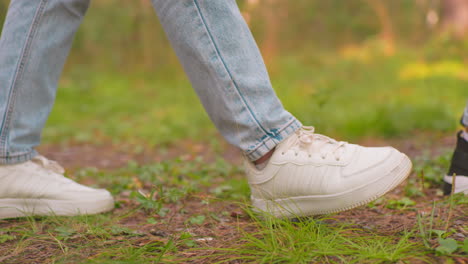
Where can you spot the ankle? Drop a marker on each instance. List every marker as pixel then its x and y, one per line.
pixel 262 162
pixel 264 158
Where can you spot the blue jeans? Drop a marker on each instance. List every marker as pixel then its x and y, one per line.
pixel 210 37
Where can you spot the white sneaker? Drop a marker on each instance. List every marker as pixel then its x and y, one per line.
pixel 37 188
pixel 311 174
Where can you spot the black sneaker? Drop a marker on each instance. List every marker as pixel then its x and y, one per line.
pixel 458 167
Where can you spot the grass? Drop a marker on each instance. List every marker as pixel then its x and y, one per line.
pixel 378 96
pixel 189 209
pixel 180 211
pixel 315 241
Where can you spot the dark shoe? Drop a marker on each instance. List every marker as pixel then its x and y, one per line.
pixel 458 168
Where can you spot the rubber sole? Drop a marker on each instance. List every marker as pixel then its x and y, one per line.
pixel 294 207
pixel 461 184
pixel 13 208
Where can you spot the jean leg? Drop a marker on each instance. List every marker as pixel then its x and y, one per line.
pixel 224 65
pixel 35 42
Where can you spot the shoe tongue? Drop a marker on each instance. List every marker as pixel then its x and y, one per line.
pixel 48 164
pixel 287 143
pixel 318 142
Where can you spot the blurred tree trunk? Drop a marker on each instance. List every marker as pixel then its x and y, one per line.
pixel 269 46
pixel 250 7
pixel 270 13
pixel 455 17
pixel 386 27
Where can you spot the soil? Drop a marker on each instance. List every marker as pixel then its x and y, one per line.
pixel 224 229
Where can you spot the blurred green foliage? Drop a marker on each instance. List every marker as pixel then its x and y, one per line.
pixel 344 97
pixel 338 65
pixel 126 35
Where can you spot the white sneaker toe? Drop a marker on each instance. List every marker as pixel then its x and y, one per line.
pixel 310 174
pixel 37 188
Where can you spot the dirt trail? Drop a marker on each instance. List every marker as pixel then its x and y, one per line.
pixel 225 230
pixel 107 156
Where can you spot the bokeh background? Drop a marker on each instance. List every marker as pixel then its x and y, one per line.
pixel 375 72
pixel 354 69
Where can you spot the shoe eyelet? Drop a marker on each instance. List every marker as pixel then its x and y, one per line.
pixel 282 153
pixel 295 154
pixel 310 156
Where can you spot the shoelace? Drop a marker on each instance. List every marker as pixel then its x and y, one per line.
pixel 306 138
pixel 48 164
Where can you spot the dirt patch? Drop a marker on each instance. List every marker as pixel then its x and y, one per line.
pixel 225 220
pixel 111 156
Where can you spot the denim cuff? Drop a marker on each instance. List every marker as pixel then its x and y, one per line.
pixel 18 158
pixel 270 143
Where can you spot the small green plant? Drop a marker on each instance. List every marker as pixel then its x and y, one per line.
pixel 150 202
pixel 187 239
pixel 432 169
pixel 446 246
pixel 152 221
pixel 119 230
pixel 64 232
pixel 414 188
pixel 5 238
pixel 233 189
pixel 402 203
pixel 425 224
pixel 197 219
